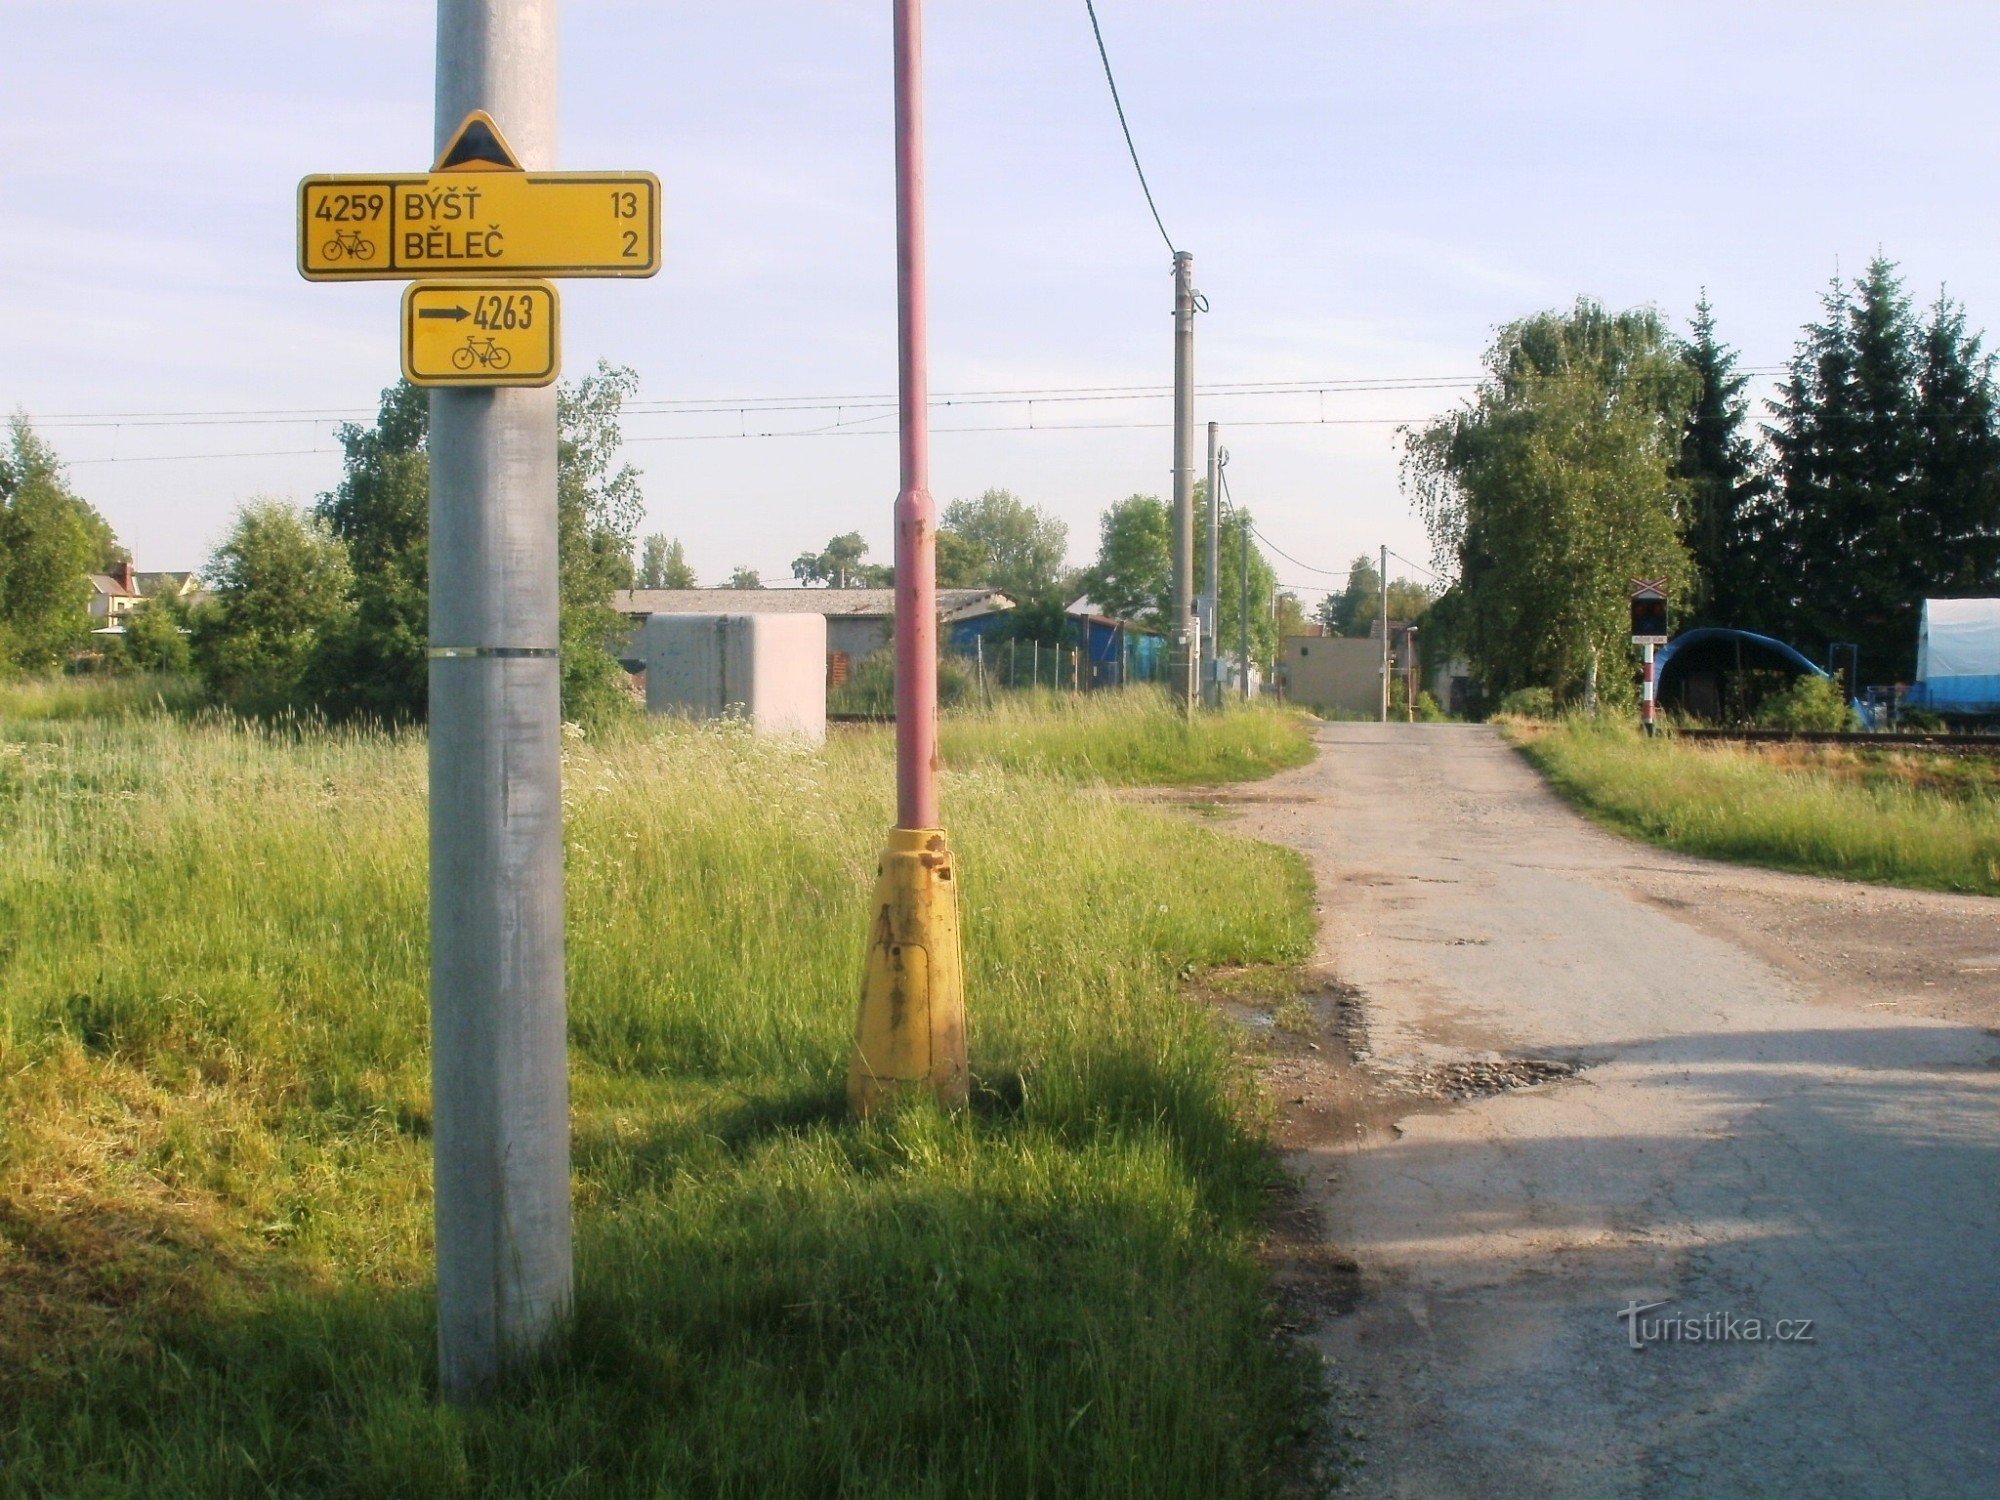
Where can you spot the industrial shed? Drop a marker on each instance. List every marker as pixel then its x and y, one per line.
pixel 1721 675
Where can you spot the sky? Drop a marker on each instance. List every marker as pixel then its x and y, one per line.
pixel 1368 190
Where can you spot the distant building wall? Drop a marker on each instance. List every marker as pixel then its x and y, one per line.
pixel 1332 674
pixel 857 635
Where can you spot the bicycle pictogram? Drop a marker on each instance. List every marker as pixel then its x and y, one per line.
pixel 348 242
pixel 483 351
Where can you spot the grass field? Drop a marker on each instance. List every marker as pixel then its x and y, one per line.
pixel 1125 739
pixel 214 1154
pixel 97 697
pixel 1893 817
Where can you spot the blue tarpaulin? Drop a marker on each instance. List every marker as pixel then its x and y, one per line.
pixel 1958 657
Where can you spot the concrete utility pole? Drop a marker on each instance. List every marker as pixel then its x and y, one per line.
pixel 1385 635
pixel 1211 596
pixel 1181 647
pixel 1243 614
pixel 500 1079
pixel 910 1033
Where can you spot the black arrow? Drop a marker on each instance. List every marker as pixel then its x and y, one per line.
pixel 454 313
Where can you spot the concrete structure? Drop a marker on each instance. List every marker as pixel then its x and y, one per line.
pixel 1453 686
pixel 1339 676
pixel 858 621
pixel 767 669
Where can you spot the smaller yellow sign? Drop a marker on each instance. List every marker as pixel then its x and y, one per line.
pixel 481 333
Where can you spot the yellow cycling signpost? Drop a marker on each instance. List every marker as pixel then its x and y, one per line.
pixel 478 213
pixel 474 237
pixel 480 333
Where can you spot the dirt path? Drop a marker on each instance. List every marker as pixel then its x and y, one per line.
pixel 1580 1074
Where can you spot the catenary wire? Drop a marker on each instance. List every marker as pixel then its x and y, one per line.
pixel 705 405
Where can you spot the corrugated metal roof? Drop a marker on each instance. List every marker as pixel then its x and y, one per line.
pixel 952 603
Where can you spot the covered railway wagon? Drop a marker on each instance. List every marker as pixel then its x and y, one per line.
pixel 1958 658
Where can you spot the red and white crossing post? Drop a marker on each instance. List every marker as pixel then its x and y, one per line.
pixel 1649 630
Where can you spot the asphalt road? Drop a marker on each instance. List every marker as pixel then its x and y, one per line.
pixel 1787 1107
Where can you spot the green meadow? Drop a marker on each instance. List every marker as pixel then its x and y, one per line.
pixel 215 1235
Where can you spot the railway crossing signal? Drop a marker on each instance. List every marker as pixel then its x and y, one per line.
pixel 1649 629
pixel 1649 612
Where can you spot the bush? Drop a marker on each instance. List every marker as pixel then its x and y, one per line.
pixel 282 584
pixel 871 685
pixel 1812 705
pixel 154 639
pixel 1527 703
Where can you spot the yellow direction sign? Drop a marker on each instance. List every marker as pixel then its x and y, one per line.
pixel 478 214
pixel 481 333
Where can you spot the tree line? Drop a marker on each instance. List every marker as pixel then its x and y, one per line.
pixel 999 541
pixel 51 541
pixel 1601 447
pixel 324 609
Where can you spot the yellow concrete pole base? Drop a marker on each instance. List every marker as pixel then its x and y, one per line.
pixel 911 1031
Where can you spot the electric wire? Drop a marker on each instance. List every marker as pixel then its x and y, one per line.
pixel 721 405
pixel 1117 104
pixel 1329 572
pixel 1434 577
pixel 831 431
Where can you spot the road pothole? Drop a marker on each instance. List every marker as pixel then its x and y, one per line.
pixel 1460 1081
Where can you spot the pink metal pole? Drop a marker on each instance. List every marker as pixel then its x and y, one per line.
pixel 916 512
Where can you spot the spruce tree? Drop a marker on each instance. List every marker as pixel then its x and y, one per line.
pixel 1888 469
pixel 1812 439
pixel 1954 523
pixel 1725 486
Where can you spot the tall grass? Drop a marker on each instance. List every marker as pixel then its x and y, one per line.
pixel 97 697
pixel 1129 738
pixel 214 1177
pixel 1832 815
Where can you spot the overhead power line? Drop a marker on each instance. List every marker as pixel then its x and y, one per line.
pixel 1329 572
pixel 690 406
pixel 722 405
pixel 831 431
pixel 1436 578
pixel 1105 57
pixel 173 458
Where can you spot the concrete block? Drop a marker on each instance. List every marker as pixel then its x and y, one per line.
pixel 768 669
